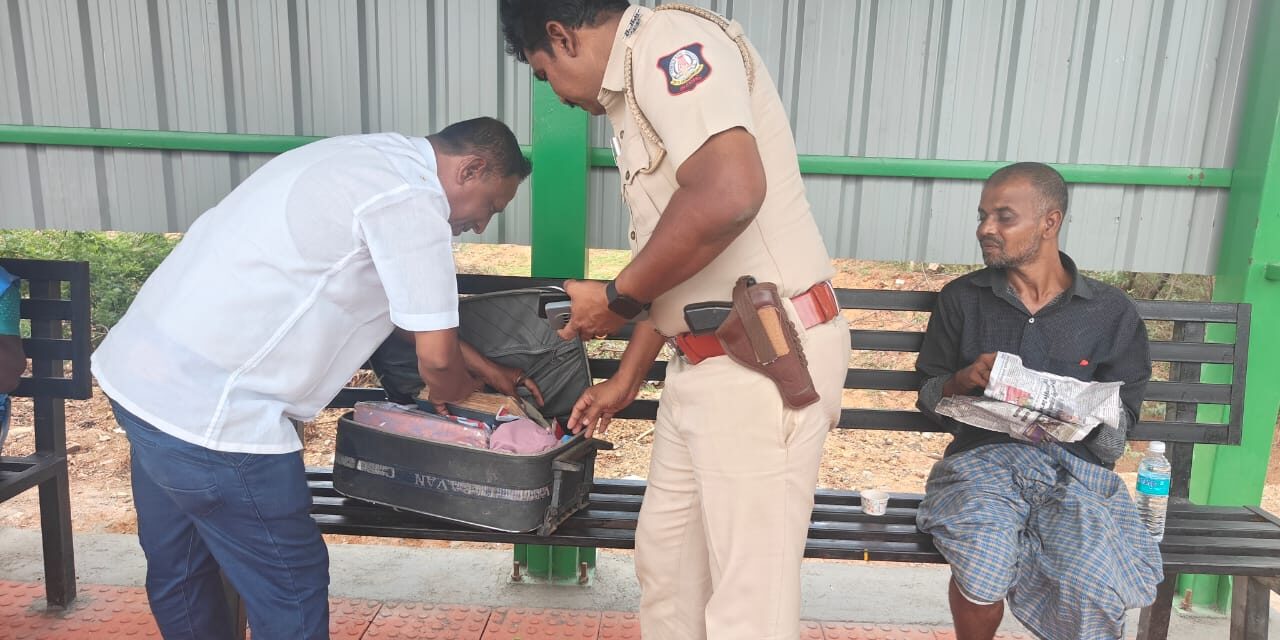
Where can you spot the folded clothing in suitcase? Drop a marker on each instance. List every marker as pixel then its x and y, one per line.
pixel 521 436
pixel 491 489
pixel 393 418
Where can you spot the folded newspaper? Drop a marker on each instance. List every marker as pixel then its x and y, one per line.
pixel 1033 405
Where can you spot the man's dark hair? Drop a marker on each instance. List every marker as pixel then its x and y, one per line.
pixel 1045 179
pixel 524 22
pixel 488 138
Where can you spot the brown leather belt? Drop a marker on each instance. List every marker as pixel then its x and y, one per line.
pixel 815 306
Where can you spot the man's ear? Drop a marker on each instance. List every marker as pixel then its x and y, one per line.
pixel 471 168
pixel 562 38
pixel 1053 223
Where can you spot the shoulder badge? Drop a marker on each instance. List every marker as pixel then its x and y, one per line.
pixel 685 68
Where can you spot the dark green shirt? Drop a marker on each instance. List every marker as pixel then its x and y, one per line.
pixel 1090 332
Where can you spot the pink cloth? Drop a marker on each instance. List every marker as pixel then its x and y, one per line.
pixel 521 436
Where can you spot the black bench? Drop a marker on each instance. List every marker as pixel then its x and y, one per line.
pixel 1235 541
pixel 56 302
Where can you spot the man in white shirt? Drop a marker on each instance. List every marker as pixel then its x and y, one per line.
pixel 273 299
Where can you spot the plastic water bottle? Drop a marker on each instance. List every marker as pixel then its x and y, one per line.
pixel 1153 489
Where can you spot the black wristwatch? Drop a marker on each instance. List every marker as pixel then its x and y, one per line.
pixel 622 304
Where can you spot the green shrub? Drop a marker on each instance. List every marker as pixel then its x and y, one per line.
pixel 118 263
pixel 1158 286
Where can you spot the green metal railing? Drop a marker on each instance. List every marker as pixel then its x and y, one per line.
pixel 147 139
pixel 1152 176
pixel 980 169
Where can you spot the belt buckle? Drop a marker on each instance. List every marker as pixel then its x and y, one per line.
pixel 674 343
pixel 675 346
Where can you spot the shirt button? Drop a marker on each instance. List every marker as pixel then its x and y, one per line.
pixel 626 175
pixel 633 234
pixel 1031 320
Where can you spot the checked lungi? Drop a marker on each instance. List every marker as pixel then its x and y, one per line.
pixel 1058 536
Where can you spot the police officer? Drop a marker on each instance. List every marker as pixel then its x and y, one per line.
pixel 709 170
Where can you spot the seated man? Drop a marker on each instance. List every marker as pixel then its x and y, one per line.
pixel 1049 527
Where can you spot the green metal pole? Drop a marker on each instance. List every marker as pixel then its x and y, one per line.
pixel 559 187
pixel 538 557
pixel 1250 249
pixel 564 564
pixel 559 191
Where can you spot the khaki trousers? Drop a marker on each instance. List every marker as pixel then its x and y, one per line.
pixel 730 493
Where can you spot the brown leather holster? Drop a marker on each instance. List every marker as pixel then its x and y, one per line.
pixel 758 335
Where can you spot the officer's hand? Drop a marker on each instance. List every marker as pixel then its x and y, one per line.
pixel 595 409
pixel 589 314
pixel 970 378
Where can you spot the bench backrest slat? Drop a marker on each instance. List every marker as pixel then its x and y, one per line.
pixel 481 283
pixel 1189 392
pixel 639 410
pixel 1181 431
pixel 605 368
pixel 1189 311
pixel 875 340
pixel 47 309
pixel 1193 352
pixel 49 348
pixel 882 380
pixel 886 300
pixel 886 420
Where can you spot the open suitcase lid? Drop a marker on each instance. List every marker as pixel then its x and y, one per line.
pixel 505 327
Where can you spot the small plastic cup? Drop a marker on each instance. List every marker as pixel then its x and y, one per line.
pixel 874 502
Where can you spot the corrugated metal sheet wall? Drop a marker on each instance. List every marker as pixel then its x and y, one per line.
pixel 1149 82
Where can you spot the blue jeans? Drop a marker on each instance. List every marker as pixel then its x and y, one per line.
pixel 201 510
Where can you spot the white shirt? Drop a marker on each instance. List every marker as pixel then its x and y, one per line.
pixel 278 294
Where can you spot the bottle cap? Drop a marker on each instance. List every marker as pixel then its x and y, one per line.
pixel 1155 446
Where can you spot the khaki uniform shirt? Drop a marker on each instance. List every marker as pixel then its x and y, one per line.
pixel 690 83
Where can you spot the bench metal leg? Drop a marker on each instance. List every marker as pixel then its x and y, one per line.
pixel 1153 623
pixel 1250 608
pixel 55 530
pixel 50 425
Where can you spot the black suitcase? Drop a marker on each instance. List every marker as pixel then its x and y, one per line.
pixel 473 486
pixel 500 491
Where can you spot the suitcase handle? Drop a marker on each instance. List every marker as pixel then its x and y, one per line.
pixel 567 461
pixel 562 465
pixel 570 462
